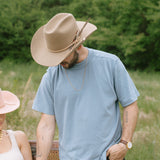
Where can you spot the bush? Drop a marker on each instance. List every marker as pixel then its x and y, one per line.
pixel 18 22
pixel 129 29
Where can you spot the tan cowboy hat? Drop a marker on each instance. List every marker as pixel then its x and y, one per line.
pixel 8 102
pixel 53 42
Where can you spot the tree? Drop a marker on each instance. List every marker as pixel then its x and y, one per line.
pixel 129 29
pixel 18 22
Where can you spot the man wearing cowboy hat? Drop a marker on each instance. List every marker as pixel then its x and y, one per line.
pixel 81 91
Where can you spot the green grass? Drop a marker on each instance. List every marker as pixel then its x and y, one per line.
pixel 146 140
pixel 24 79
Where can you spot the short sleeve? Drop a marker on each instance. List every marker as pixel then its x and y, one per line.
pixel 125 88
pixel 44 101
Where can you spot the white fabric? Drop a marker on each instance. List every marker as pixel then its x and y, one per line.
pixel 14 153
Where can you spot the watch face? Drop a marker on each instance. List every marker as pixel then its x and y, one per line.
pixel 129 145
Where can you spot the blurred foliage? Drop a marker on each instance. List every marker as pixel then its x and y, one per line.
pixel 18 20
pixel 129 29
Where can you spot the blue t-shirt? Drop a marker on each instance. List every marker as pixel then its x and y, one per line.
pixel 89 119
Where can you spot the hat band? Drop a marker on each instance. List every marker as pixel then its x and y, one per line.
pixel 6 104
pixel 72 44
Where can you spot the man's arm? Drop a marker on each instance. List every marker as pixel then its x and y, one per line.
pixel 130 116
pixel 45 133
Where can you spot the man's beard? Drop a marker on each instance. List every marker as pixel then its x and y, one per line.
pixel 73 61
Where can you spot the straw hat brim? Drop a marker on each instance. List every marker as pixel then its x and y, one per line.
pixel 44 57
pixel 11 102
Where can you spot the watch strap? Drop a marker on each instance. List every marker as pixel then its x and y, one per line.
pixel 123 141
pixel 128 144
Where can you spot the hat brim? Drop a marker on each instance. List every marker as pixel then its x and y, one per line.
pixel 44 57
pixel 11 102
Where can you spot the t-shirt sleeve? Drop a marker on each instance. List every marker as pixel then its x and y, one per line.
pixel 124 86
pixel 44 101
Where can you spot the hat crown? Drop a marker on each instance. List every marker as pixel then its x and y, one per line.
pixel 60 31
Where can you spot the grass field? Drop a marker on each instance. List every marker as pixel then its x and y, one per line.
pixel 24 79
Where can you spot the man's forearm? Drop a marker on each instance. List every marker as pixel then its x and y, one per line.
pixel 45 135
pixel 130 116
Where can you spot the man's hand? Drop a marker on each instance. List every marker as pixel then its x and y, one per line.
pixel 117 151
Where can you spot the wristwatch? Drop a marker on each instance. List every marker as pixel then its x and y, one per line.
pixel 128 144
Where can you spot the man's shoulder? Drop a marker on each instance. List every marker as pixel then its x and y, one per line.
pixel 52 70
pixel 102 55
pixel 50 73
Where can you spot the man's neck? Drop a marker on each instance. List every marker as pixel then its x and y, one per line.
pixel 83 53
